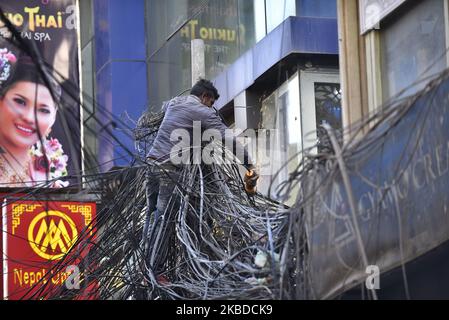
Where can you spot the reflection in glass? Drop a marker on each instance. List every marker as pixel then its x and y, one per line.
pixel 226 26
pixel 328 110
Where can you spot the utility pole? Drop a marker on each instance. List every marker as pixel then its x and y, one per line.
pixel 198 60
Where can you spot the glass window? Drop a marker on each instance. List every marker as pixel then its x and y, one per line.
pixel 86 22
pixel 259 19
pixel 317 8
pixel 218 25
pixel 247 25
pixel 226 26
pixel 281 124
pixel 164 19
pixel 328 110
pixel 277 11
pixel 413 47
pixel 320 103
pixel 88 83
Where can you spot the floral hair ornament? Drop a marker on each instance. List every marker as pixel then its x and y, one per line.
pixel 56 159
pixel 7 59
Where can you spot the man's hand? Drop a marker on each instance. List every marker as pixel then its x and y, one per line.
pixel 250 180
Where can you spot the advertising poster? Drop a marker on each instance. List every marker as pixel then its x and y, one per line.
pixel 40 143
pixel 43 244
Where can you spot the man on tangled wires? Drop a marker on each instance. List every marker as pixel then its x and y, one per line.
pixel 184 114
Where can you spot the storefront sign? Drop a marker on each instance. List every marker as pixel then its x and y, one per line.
pixel 43 244
pixel 399 176
pixel 50 28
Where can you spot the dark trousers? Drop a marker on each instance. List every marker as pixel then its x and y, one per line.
pixel 161 179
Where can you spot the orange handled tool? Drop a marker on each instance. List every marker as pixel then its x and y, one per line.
pixel 250 182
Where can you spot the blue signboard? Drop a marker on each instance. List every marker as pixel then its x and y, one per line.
pixel 399 177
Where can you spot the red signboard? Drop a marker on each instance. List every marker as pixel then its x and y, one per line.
pixel 43 245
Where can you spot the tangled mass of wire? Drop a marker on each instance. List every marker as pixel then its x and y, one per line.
pixel 214 240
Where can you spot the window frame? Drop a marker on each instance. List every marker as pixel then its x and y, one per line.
pixel 373 62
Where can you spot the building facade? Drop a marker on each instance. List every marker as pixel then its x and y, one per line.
pixel 275 64
pixel 388 50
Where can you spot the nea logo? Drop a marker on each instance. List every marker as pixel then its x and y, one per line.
pixel 51 234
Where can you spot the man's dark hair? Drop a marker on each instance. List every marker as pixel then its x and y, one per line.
pixel 206 87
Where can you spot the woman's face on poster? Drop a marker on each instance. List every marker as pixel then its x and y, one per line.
pixel 27 111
